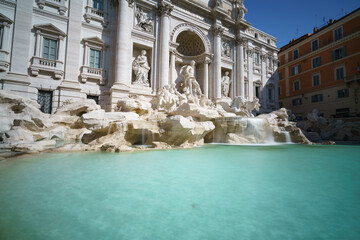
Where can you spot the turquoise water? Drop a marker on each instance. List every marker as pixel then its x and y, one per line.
pixel 213 192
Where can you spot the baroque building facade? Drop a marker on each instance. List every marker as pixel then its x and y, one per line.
pixel 56 50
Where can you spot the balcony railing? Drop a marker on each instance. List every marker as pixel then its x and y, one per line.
pixel 352 78
pixel 47 65
pixel 97 15
pixel 59 4
pixel 93 73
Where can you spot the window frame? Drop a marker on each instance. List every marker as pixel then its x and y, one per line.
pixel 343 91
pixel 296 101
pixel 317 98
pixel 298 54
pixel 95 50
pixel 50 39
pixel 342 34
pixel 342 50
pixel 335 72
pixel 312 45
pixel 298 68
pixel 257 58
pixel 312 78
pixel 312 62
pixel 297 81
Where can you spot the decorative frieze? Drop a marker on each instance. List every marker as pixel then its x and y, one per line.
pixel 225 48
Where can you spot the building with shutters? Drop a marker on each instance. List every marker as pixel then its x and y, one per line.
pixel 322 70
pixel 53 51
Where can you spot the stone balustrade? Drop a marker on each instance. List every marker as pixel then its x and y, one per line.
pixel 93 73
pixel 47 65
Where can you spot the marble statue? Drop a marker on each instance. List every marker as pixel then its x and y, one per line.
pixel 143 21
pixel 225 85
pixel 251 105
pixel 141 69
pixel 191 87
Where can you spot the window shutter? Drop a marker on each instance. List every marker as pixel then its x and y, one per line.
pixel 45 53
pixel 92 58
pixel 344 51
pixel 333 55
pixel 53 46
pixel 299 68
pixel 97 59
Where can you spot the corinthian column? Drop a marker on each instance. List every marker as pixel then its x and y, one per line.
pixel 206 77
pixel 240 90
pixel 218 30
pixel 123 48
pixel 165 11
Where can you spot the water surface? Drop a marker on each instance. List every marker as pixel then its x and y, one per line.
pixel 213 192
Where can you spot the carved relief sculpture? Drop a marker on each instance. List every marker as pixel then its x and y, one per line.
pixel 225 84
pixel 225 48
pixel 144 22
pixel 141 69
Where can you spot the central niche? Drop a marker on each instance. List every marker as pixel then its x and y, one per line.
pixel 190 44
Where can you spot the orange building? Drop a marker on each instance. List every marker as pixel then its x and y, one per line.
pixel 322 70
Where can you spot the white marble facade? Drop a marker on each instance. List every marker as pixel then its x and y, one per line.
pixel 91 48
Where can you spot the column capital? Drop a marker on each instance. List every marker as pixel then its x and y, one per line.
pixel 165 8
pixel 240 41
pixel 207 60
pixel 218 30
pixel 250 51
pixel 131 3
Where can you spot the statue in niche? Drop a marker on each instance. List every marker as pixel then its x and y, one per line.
pixel 141 69
pixel 143 21
pixel 225 84
pixel 191 87
pixel 225 49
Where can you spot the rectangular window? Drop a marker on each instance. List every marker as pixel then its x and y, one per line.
pixel 296 85
pixel 317 98
pixel 45 101
pixel 339 73
pixel 270 62
pixel 295 70
pixel 95 98
pixel 343 112
pixel 49 49
pixel 98 4
pixel 280 75
pixel 270 94
pixel 296 101
pixel 316 62
pixel 338 34
pixel 279 91
pixel 316 80
pixel 296 54
pixel 343 93
pixel 94 58
pixel 257 58
pixel 315 45
pixel 338 53
pixel 257 91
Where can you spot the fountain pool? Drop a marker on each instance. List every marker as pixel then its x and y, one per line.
pixel 212 192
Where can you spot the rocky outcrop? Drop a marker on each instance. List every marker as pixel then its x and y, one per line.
pixel 83 126
pixel 320 129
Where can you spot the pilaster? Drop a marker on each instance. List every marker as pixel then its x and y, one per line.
pixel 217 31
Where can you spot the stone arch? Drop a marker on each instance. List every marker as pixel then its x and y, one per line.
pixel 192 28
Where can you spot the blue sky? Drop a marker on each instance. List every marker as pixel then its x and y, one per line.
pixel 287 19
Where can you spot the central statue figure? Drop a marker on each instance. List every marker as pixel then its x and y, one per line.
pixel 191 87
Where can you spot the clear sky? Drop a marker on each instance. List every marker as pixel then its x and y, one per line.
pixel 287 19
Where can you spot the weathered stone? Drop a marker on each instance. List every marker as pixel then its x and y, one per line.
pixel 313 136
pixel 195 111
pixel 137 104
pixel 78 108
pixel 160 145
